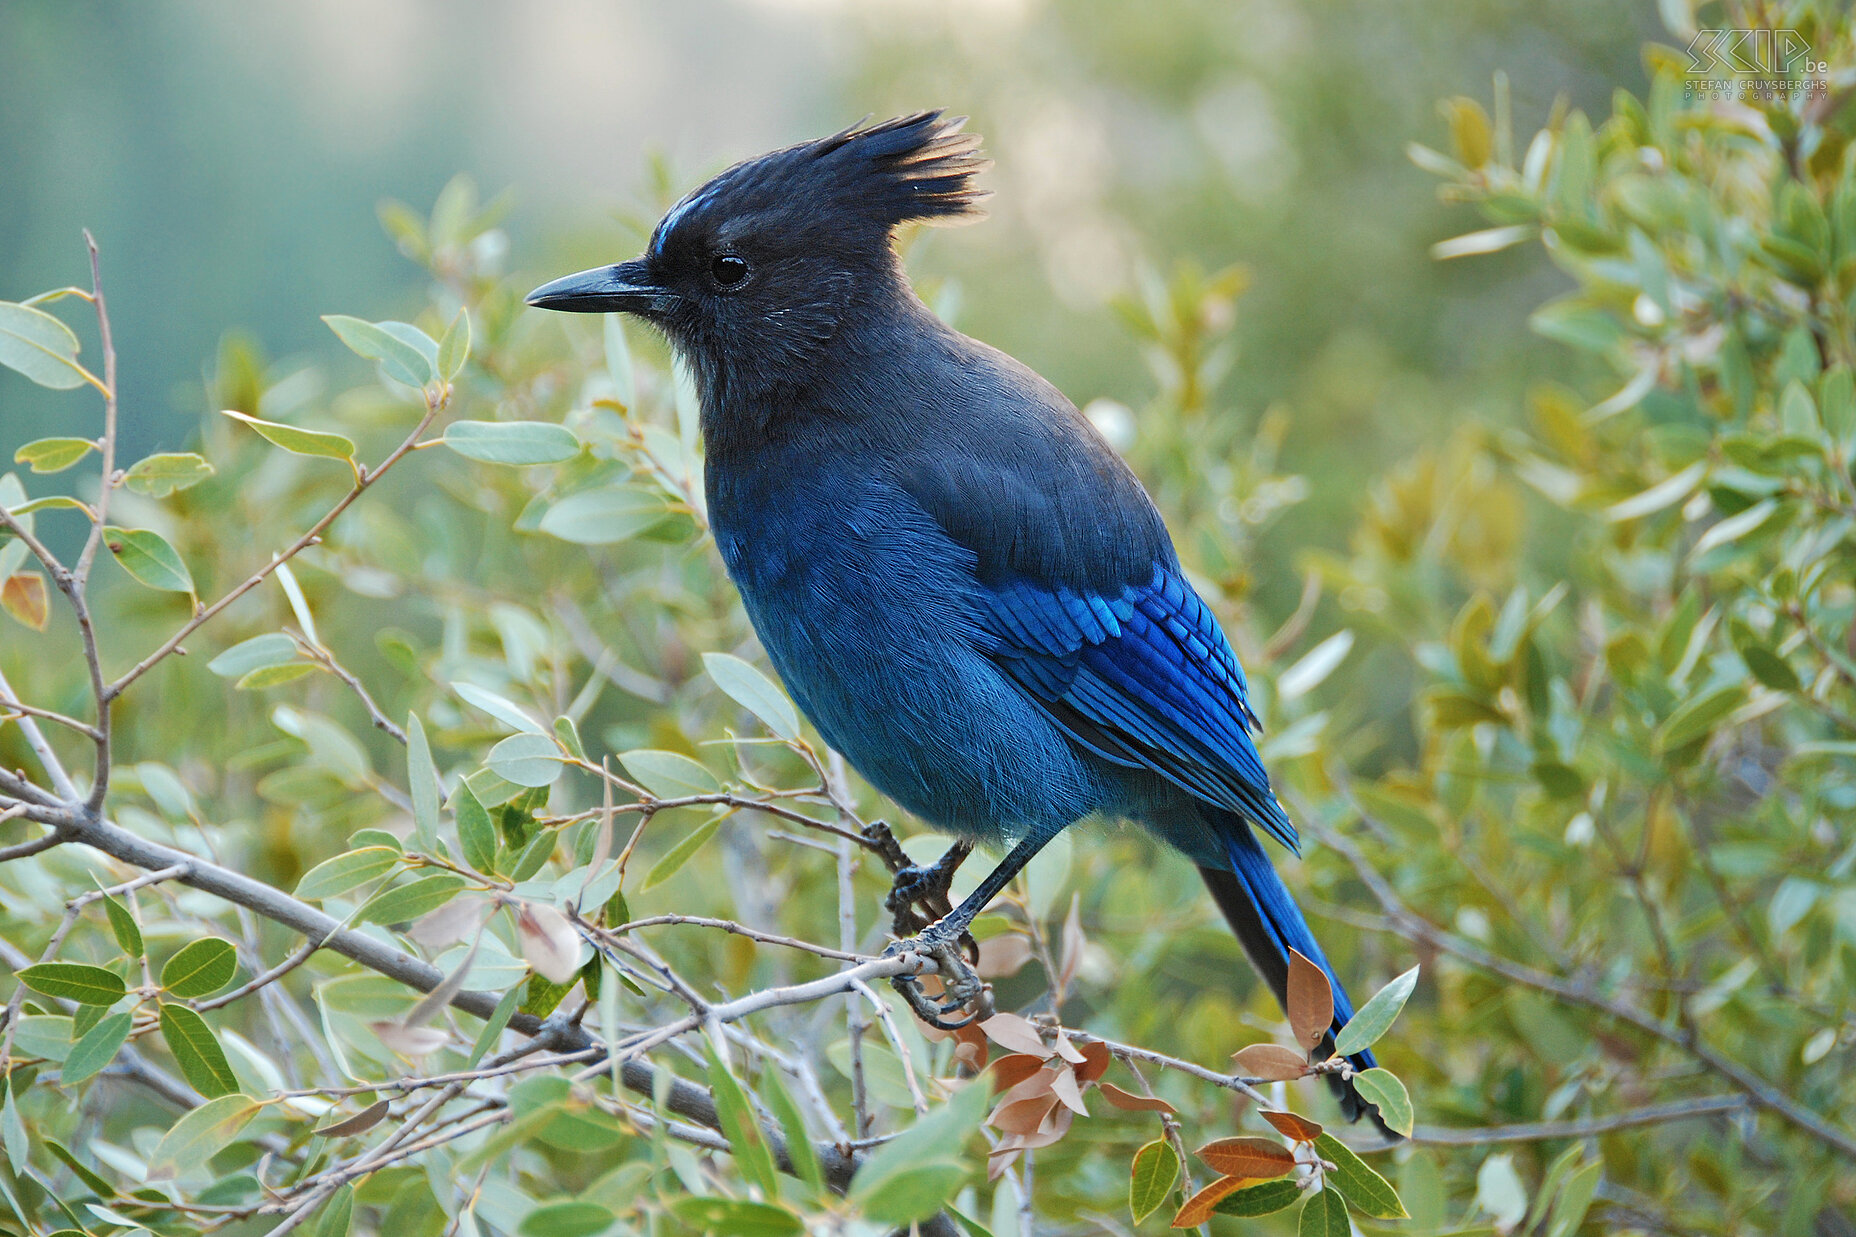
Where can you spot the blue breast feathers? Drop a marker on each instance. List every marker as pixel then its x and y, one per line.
pixel 1145 679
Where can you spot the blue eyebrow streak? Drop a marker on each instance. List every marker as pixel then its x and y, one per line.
pixel 669 221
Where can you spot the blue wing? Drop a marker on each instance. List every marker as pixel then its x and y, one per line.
pixel 1144 678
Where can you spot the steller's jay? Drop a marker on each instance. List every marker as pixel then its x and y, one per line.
pixel 962 585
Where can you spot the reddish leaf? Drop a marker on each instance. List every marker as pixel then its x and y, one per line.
pixel 1038 1084
pixel 1256 1158
pixel 1130 1102
pixel 1015 1034
pixel 25 598
pixel 1001 956
pixel 1270 1062
pixel 1096 1060
pixel 1022 1116
pixel 1311 1001
pixel 1067 1090
pixel 1055 1126
pixel 1008 1071
pixel 1198 1208
pixel 1291 1126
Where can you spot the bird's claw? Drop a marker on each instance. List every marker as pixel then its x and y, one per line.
pixel 961 985
pixel 927 886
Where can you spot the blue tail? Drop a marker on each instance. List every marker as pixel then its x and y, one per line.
pixel 1268 925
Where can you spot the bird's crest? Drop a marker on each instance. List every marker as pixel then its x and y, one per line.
pixel 918 167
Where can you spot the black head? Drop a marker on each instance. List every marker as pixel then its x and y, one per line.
pixel 751 274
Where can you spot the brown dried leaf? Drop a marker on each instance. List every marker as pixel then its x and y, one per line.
pixel 1022 1116
pixel 1005 955
pixel 1068 1091
pixel 1291 1126
pixel 360 1123
pixel 549 943
pixel 1256 1158
pixel 1270 1063
pixel 411 1041
pixel 1073 944
pixel 26 598
pixel 971 1048
pixel 1055 1126
pixel 1015 1034
pixel 1096 1060
pixel 1067 1050
pixel 1130 1102
pixel 1038 1084
pixel 1310 1001
pixel 1008 1071
pixel 999 1160
pixel 1198 1208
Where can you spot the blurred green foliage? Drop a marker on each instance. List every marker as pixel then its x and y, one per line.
pixel 1567 665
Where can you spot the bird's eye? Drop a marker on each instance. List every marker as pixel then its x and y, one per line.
pixel 727 269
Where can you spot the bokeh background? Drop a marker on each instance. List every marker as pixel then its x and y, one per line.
pixel 230 159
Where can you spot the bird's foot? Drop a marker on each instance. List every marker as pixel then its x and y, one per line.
pixel 961 986
pixel 926 887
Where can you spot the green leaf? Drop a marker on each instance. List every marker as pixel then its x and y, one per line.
pixel 200 1135
pixel 503 710
pixel 1364 1188
pixel 402 361
pixel 39 346
pixel 572 1218
pixel 527 760
pixel 422 779
pixel 87 985
pixel 512 442
pixel 1374 1017
pixel 740 1127
pixel 196 1050
pixel 95 1049
pixel 476 834
pixel 1574 1200
pixel 569 735
pixel 342 873
pixel 161 475
pixel 1324 1215
pixel 273 648
pixel 337 1214
pixel 914 1174
pixel 296 440
pixel 604 516
pixel 419 896
pixel 493 1029
pixel 200 968
pixel 62 1154
pixel 1260 1200
pixel 799 1148
pixel 1769 668
pixel 669 775
pixel 736 1217
pixel 753 691
pixel 678 855
pixel 149 558
pixel 1381 1088
pixel 128 933
pixel 1697 716
pixel 53 454
pixel 454 348
pixel 1151 1178
pixel 271 676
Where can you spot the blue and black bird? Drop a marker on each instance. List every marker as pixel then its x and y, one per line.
pixel 961 583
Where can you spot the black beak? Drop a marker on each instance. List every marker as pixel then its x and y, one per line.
pixel 626 288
